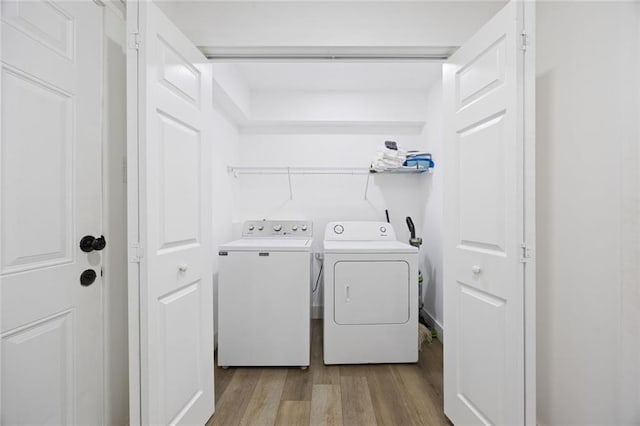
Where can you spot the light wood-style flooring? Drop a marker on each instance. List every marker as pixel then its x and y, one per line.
pixel 389 394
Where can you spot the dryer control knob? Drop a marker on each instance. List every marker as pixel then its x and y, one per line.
pixel 338 229
pixel 304 227
pixel 260 228
pixel 251 227
pixel 383 229
pixel 277 228
pixel 294 228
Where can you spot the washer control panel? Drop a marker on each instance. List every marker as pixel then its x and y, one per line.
pixel 359 231
pixel 278 228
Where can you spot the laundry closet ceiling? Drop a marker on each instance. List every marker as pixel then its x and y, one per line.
pixel 321 97
pixel 228 25
pixel 351 76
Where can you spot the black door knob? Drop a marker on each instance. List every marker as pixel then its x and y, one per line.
pixel 89 243
pixel 99 243
pixel 86 243
pixel 87 277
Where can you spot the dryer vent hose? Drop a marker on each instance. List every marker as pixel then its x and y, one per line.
pixel 315 287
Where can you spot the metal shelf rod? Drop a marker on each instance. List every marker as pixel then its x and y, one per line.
pixel 298 170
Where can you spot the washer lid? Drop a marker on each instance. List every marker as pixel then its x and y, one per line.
pixel 368 247
pixel 267 244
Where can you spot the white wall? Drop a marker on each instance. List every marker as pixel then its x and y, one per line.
pixel 116 384
pixel 338 105
pixel 324 198
pixel 231 94
pixel 337 128
pixel 431 253
pixel 588 190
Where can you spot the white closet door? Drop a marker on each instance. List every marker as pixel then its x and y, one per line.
pixel 172 313
pixel 51 197
pixel 484 297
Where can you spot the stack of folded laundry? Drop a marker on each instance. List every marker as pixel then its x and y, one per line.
pixel 389 157
pixel 419 160
pixel 392 157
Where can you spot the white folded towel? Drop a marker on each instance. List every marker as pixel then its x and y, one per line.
pixel 386 159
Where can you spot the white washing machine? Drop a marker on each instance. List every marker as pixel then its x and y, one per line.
pixel 264 295
pixel 370 295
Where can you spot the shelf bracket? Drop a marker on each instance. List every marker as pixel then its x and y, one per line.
pixel 366 187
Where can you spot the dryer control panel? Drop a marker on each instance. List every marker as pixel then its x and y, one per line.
pixel 278 228
pixel 359 231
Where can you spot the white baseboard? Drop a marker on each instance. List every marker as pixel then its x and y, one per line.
pixel 431 321
pixel 316 312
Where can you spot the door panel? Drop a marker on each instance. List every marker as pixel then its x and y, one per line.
pixel 181 342
pixel 179 157
pixel 371 292
pixel 482 75
pixel 484 225
pixel 45 22
pixel 31 239
pixel 47 344
pixel 50 192
pixel 482 182
pixel 481 388
pixel 178 75
pixel 171 204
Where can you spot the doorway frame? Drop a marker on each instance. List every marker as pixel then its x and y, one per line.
pixel 529 209
pixel 435 54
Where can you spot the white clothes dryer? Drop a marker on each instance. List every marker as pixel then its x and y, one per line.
pixel 370 295
pixel 264 295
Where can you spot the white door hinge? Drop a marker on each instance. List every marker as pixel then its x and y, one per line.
pixel 525 253
pixel 524 41
pixel 137 253
pixel 134 41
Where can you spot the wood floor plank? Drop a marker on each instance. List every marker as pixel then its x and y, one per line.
pixel 389 407
pixel 326 406
pixel 265 400
pixel 293 413
pixel 326 375
pixel 431 363
pixel 322 374
pixel 354 370
pixel 233 402
pixel 420 400
pixel 222 379
pixel 357 408
pixel 298 385
pixel 400 394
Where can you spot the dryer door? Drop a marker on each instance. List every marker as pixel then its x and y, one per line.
pixel 371 292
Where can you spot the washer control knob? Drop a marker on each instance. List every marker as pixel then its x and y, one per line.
pixel 304 227
pixel 260 228
pixel 251 227
pixel 383 229
pixel 338 229
pixel 294 228
pixel 277 228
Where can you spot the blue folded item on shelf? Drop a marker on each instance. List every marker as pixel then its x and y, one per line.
pixel 419 162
